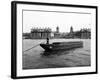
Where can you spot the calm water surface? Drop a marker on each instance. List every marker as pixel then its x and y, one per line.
pixel 37 58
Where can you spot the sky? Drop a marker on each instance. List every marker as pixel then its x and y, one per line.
pixel 42 19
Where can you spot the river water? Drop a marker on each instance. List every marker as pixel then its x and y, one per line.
pixel 36 58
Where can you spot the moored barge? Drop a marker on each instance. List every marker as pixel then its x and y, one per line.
pixel 61 45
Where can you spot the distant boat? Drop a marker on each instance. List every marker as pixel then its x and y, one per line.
pixel 61 45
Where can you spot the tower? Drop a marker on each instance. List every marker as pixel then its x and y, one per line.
pixel 71 32
pixel 71 29
pixel 57 29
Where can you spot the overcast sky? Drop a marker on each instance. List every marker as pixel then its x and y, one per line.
pixel 42 19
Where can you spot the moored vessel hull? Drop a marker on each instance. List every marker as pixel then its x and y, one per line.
pixel 62 45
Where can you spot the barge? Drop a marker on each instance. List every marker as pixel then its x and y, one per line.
pixel 61 45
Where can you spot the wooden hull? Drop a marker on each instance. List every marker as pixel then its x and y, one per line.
pixel 62 46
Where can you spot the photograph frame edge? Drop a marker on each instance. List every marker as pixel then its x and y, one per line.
pixel 14 39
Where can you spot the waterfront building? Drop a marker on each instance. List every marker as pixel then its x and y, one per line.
pixel 71 33
pixel 57 29
pixel 43 33
pixel 38 33
pixel 26 35
pixel 57 33
pixel 85 33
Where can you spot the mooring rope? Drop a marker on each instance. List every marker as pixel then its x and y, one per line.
pixel 33 47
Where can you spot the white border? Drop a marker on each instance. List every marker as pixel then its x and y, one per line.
pixel 36 72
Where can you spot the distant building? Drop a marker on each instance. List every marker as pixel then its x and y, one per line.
pixel 71 33
pixel 57 29
pixel 57 33
pixel 40 33
pixel 85 33
pixel 26 35
pixel 71 29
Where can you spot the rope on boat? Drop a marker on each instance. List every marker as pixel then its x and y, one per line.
pixel 32 47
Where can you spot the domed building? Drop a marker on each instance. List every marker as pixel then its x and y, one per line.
pixel 57 33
